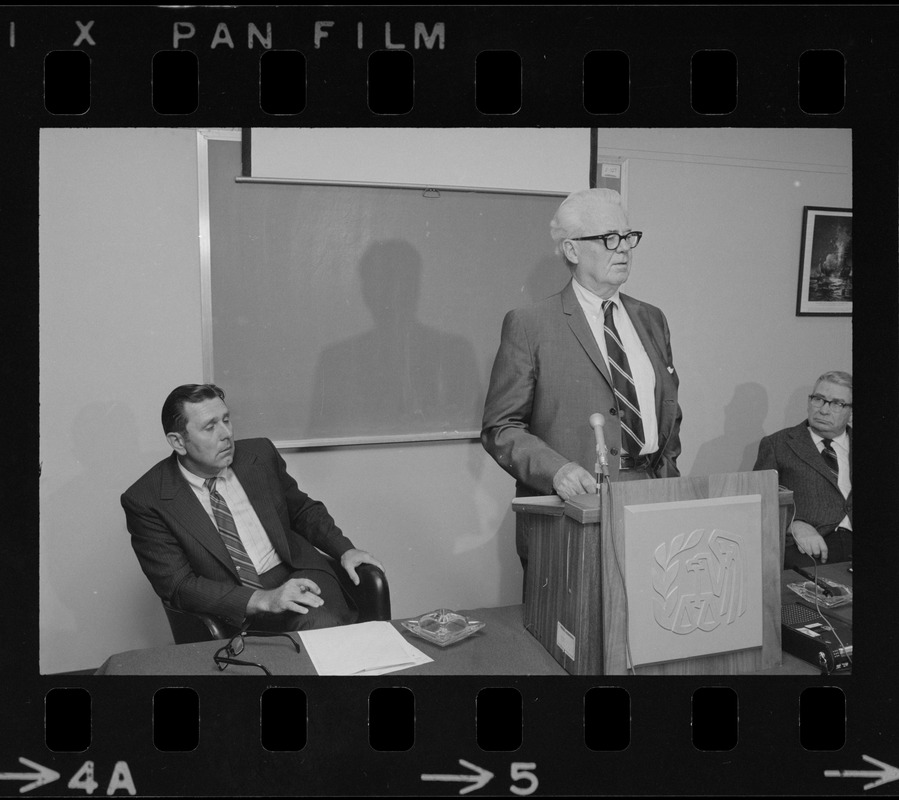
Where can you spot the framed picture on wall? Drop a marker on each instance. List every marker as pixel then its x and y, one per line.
pixel 825 263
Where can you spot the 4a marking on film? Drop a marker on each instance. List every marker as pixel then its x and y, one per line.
pixel 83 780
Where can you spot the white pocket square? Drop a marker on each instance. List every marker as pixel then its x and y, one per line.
pixel 671 370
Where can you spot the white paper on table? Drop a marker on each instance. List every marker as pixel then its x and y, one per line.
pixel 367 648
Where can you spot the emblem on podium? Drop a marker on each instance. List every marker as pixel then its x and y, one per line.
pixel 699 580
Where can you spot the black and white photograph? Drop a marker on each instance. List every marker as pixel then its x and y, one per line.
pixel 363 330
pixel 425 401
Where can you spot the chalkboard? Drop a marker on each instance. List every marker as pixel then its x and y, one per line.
pixel 356 314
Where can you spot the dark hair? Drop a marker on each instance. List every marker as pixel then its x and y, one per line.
pixel 173 419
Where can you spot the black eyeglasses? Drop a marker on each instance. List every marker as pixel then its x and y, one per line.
pixel 817 401
pixel 612 240
pixel 236 646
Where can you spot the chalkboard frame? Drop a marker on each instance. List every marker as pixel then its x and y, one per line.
pixel 204 136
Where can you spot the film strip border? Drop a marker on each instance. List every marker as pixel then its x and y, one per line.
pixel 497 718
pixel 553 86
pixel 442 66
pixel 496 78
pixel 436 737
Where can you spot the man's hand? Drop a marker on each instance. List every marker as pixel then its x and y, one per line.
pixel 297 595
pixel 353 558
pixel 809 541
pixel 572 479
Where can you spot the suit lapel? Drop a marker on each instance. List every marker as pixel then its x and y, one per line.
pixel 577 321
pixel 803 445
pixel 253 478
pixel 849 434
pixel 184 506
pixel 639 318
pixel 636 311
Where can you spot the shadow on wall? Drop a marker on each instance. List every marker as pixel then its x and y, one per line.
pixel 84 543
pixel 737 448
pixel 401 376
pixel 797 407
pixel 550 275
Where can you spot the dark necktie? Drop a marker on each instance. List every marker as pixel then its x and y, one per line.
pixel 623 384
pixel 830 457
pixel 228 529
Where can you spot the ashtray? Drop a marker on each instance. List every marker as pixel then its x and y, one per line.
pixel 443 627
pixel 840 595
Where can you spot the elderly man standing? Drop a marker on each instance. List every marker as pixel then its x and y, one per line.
pixel 814 460
pixel 587 349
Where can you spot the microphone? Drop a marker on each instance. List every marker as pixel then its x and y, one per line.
pixel 597 421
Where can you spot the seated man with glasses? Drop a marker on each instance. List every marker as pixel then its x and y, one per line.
pixel 220 527
pixel 588 349
pixel 814 460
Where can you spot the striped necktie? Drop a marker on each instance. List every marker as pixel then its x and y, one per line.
pixel 830 458
pixel 228 529
pixel 632 437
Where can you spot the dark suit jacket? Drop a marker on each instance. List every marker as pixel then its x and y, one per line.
pixel 549 376
pixel 800 467
pixel 181 551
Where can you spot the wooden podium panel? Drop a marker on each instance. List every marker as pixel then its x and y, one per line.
pixel 563 592
pixel 576 598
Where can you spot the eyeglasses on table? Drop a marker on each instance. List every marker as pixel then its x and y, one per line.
pixel 236 645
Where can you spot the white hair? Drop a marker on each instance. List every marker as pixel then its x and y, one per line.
pixel 577 210
pixel 837 377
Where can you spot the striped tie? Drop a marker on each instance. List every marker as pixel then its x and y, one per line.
pixel 228 530
pixel 623 384
pixel 830 457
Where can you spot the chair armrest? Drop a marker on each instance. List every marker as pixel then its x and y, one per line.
pixel 192 626
pixel 371 596
pixel 374 588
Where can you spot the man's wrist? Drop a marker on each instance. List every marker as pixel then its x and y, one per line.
pixel 565 468
pixel 257 602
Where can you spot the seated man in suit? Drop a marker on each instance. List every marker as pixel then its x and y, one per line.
pixel 814 460
pixel 220 527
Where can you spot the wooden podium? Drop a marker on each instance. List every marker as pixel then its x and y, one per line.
pixel 605 604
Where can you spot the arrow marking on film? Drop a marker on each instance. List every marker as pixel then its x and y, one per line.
pixel 886 773
pixel 477 781
pixel 41 776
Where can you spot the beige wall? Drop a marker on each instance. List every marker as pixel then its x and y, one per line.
pixel 722 211
pixel 120 326
pixel 119 320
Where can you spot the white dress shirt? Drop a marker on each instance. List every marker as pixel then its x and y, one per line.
pixel 255 540
pixel 641 367
pixel 841 448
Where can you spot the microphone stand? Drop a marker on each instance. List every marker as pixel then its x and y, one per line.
pixel 602 465
pixel 601 468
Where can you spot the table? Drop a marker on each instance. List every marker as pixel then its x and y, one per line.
pixel 835 572
pixel 502 647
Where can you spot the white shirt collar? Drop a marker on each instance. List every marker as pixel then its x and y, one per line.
pixel 841 441
pixel 195 480
pixel 594 301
